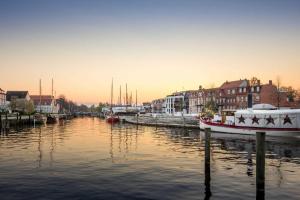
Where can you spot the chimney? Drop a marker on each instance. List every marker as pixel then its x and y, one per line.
pixel 270 82
pixel 258 82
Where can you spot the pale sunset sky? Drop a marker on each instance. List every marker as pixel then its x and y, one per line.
pixel 156 46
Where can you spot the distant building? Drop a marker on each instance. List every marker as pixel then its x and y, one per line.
pixel 44 103
pixel 175 104
pixel 157 106
pixel 2 99
pixel 199 98
pixel 147 107
pixel 14 95
pixel 233 95
pixel 19 101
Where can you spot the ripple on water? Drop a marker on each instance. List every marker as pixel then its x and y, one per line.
pixel 86 158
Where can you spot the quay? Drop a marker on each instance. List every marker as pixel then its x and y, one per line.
pixel 16 119
pixel 163 121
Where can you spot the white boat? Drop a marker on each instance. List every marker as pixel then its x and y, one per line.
pixel 257 119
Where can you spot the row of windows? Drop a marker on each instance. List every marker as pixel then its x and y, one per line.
pixel 243 90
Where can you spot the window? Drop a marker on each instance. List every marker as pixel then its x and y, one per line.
pixel 241 90
pixel 252 89
pixel 233 91
pixel 228 91
pixel 244 89
pixel 257 89
pixel 257 98
pixel 237 99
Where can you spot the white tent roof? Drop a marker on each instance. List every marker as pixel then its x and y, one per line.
pixel 263 107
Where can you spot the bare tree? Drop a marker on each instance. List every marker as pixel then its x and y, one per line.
pixel 278 86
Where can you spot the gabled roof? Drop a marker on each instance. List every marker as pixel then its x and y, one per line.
pixel 16 94
pixel 233 84
pixel 1 91
pixel 45 99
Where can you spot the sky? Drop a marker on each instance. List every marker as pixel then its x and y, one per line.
pixel 155 46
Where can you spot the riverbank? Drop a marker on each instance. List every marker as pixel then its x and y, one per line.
pixel 12 120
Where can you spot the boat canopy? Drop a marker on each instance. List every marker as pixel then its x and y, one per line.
pixel 287 118
pixel 263 107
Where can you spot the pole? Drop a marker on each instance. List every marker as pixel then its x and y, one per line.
pixel 126 96
pixel 260 164
pixel 40 103
pixel 120 95
pixel 111 97
pixel 52 95
pixel 207 163
pixel 135 98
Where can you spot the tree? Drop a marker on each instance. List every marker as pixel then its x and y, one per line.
pixel 29 107
pixel 278 85
pixel 291 93
pixel 210 108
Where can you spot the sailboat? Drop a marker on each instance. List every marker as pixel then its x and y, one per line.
pixel 51 118
pixel 111 118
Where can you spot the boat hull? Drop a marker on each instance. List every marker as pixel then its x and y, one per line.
pixel 51 119
pixel 112 119
pixel 232 129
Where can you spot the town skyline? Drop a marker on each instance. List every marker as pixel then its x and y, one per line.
pixel 155 47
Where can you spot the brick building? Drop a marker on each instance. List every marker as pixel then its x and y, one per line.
pixel 233 95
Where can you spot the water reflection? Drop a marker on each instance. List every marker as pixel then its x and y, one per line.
pixel 88 156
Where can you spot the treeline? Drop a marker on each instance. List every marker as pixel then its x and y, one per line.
pixel 68 106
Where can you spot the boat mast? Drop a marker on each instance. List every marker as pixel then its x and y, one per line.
pixel 135 98
pixel 111 95
pixel 120 95
pixel 126 96
pixel 52 96
pixel 40 103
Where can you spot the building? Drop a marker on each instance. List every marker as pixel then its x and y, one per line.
pixel 2 98
pixel 233 95
pixel 44 103
pixel 175 104
pixel 198 99
pixel 15 95
pixel 19 101
pixel 157 106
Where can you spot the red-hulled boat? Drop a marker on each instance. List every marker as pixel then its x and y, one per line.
pixel 112 119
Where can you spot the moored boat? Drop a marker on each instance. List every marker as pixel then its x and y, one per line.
pixel 51 119
pixel 249 121
pixel 112 119
pixel 39 118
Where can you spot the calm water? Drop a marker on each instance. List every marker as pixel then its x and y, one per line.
pixel 87 159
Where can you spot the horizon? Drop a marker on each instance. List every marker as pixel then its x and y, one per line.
pixel 156 47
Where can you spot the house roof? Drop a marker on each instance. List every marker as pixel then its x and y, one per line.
pixel 45 99
pixel 1 91
pixel 16 95
pixel 233 84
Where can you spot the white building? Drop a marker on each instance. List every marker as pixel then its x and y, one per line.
pixel 44 103
pixel 2 98
pixel 174 105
